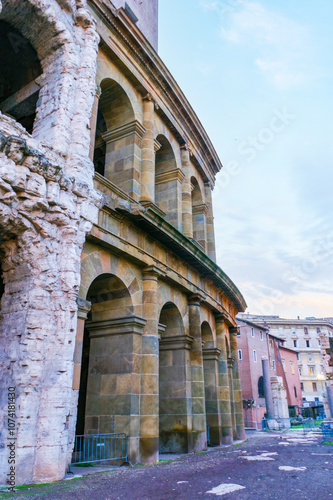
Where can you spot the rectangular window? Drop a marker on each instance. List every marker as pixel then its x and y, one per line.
pixel 295 343
pixel 302 386
pixel 252 332
pixel 319 343
pixel 271 343
pixel 274 364
pixel 308 343
pixel 298 357
pixel 255 356
pixel 311 370
pixel 238 332
pixel 314 386
pixel 284 365
pixel 261 335
pixel 300 370
pixel 293 330
pixel 318 330
pixel 310 357
pixel 317 399
pixel 306 330
pixel 240 354
pixel 292 367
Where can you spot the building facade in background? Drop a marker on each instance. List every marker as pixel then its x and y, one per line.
pixel 309 338
pixel 255 344
pixel 115 317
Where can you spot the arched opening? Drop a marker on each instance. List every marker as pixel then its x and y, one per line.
pixel 117 139
pixel 168 179
pixel 174 405
pixel 19 68
pixel 210 359
pixel 261 389
pixel 198 214
pixel 295 391
pixel 108 358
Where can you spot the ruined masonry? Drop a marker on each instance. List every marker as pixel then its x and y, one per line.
pixel 114 315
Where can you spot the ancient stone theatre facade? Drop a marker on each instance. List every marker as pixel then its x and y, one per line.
pixel 114 314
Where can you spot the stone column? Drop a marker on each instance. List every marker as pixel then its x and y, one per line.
pixel 84 307
pixel 238 398
pixel 213 415
pixel 175 395
pixel 123 157
pixel 199 225
pixel 93 122
pixel 168 195
pixel 223 382
pixel 268 388
pixel 148 152
pixel 186 193
pixel 199 431
pixel 113 390
pixel 210 222
pixel 149 401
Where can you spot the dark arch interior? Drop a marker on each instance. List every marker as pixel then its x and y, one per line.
pixel 261 389
pixel 19 67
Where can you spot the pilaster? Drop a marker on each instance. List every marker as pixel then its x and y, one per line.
pixel 199 431
pixel 237 388
pixel 187 226
pixel 148 152
pixel 210 222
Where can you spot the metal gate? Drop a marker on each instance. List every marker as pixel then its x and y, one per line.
pixel 99 447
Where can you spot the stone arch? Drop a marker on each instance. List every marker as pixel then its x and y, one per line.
pixel 168 180
pixel 173 374
pixel 198 214
pixel 19 69
pixel 118 138
pixel 51 32
pixel 109 392
pixel 97 262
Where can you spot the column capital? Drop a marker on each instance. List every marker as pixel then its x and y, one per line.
pixel 148 97
pixel 233 330
pixel 196 299
pixel 187 148
pixel 231 362
pixel 176 174
pixel 133 127
pixel 116 326
pixel 176 343
pixel 83 308
pixel 157 145
pixel 211 354
pixel 98 91
pixel 200 209
pixel 153 273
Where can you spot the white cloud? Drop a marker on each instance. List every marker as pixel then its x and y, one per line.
pixel 280 44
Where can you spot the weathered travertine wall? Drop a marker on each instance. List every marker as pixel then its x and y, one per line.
pixel 46 210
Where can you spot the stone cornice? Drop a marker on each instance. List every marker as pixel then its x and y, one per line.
pixel 153 206
pixel 196 299
pixel 231 362
pixel 176 343
pixel 133 127
pixel 133 50
pixel 175 174
pixel 233 330
pixel 116 326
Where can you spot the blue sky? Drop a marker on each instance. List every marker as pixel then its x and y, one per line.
pixel 259 75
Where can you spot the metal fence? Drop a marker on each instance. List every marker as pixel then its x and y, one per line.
pixel 327 430
pixel 99 447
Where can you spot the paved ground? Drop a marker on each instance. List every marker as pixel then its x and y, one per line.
pixel 267 466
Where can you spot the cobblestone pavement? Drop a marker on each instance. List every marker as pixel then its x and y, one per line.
pixel 279 466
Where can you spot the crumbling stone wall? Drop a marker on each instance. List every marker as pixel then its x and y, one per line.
pixel 47 206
